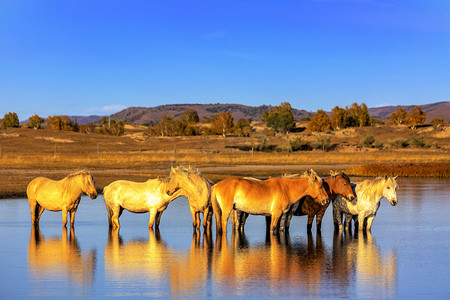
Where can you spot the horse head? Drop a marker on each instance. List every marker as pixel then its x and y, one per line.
pixel 390 189
pixel 319 189
pixel 89 185
pixel 341 185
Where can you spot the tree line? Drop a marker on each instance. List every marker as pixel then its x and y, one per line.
pixel 279 119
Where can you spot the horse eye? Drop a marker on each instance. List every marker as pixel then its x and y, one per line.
pixel 388 187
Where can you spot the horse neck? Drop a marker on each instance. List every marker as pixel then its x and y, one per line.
pixel 73 185
pixel 373 191
pixel 294 191
pixel 331 181
pixel 194 184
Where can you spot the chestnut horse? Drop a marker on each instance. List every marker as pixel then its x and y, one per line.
pixel 338 184
pixel 197 189
pixel 367 202
pixel 271 197
pixel 152 196
pixel 63 195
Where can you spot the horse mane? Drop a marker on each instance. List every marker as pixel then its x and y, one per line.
pixel 187 171
pixel 370 186
pixel 76 173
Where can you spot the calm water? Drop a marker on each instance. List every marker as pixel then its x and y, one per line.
pixel 406 256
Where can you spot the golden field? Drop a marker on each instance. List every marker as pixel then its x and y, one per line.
pixel 27 153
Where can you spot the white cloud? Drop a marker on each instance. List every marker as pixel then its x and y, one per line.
pixel 107 109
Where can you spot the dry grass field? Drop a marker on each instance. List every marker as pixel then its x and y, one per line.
pixel 27 153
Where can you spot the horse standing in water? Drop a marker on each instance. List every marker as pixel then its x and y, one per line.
pixel 197 189
pixel 367 202
pixel 63 195
pixel 152 196
pixel 338 184
pixel 271 197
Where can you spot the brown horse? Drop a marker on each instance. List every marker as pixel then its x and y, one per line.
pixel 271 197
pixel 338 184
pixel 197 189
pixel 63 195
pixel 152 196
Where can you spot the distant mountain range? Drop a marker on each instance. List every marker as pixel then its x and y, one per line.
pixel 145 115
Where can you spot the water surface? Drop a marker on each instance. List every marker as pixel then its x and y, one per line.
pixel 406 256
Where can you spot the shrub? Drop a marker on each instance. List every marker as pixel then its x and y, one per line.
pixel 419 142
pixel 399 143
pixel 298 145
pixel 368 140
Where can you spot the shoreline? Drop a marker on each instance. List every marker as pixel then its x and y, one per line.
pixel 15 180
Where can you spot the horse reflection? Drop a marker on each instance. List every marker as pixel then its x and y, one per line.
pixel 357 256
pixel 151 263
pixel 276 263
pixel 55 257
pixel 141 262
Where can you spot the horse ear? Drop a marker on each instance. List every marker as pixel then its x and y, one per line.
pixel 385 177
pixel 395 177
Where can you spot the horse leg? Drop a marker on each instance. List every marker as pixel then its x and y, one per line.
pixel 369 222
pixel 309 225
pixel 274 222
pixel 319 218
pixel 116 212
pixel 242 220
pixel 151 220
pixel 194 217
pixel 348 220
pixel 287 223
pixel 361 218
pixel 64 216
pixel 337 218
pixel 206 218
pixel 235 218
pixel 34 206
pixel 72 218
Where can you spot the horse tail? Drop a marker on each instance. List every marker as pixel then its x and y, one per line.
pixel 217 210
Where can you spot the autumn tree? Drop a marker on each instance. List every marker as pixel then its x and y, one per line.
pixel 280 118
pixel 437 122
pixel 320 122
pixel 339 118
pixel 243 127
pixel 223 123
pixel 10 120
pixel 190 116
pixel 416 117
pixel 398 117
pixel 360 114
pixel 111 127
pixel 35 122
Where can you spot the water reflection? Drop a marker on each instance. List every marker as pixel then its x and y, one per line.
pixel 153 266
pixel 60 259
pixel 226 268
pixel 358 259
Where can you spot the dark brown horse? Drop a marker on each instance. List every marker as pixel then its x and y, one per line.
pixel 338 184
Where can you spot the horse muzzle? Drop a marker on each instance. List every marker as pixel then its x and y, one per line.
pixel 93 195
pixel 325 201
pixel 393 202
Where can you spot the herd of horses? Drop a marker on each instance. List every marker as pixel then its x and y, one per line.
pixel 276 198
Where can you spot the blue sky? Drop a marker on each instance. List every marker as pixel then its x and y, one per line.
pixel 80 57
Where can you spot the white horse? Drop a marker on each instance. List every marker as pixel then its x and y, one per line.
pixel 63 195
pixel 152 196
pixel 197 189
pixel 367 202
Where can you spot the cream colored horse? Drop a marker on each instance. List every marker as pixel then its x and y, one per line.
pixel 152 196
pixel 367 202
pixel 271 197
pixel 63 195
pixel 197 189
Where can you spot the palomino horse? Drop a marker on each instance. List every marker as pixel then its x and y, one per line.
pixel 197 189
pixel 271 197
pixel 367 202
pixel 152 196
pixel 63 195
pixel 338 184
